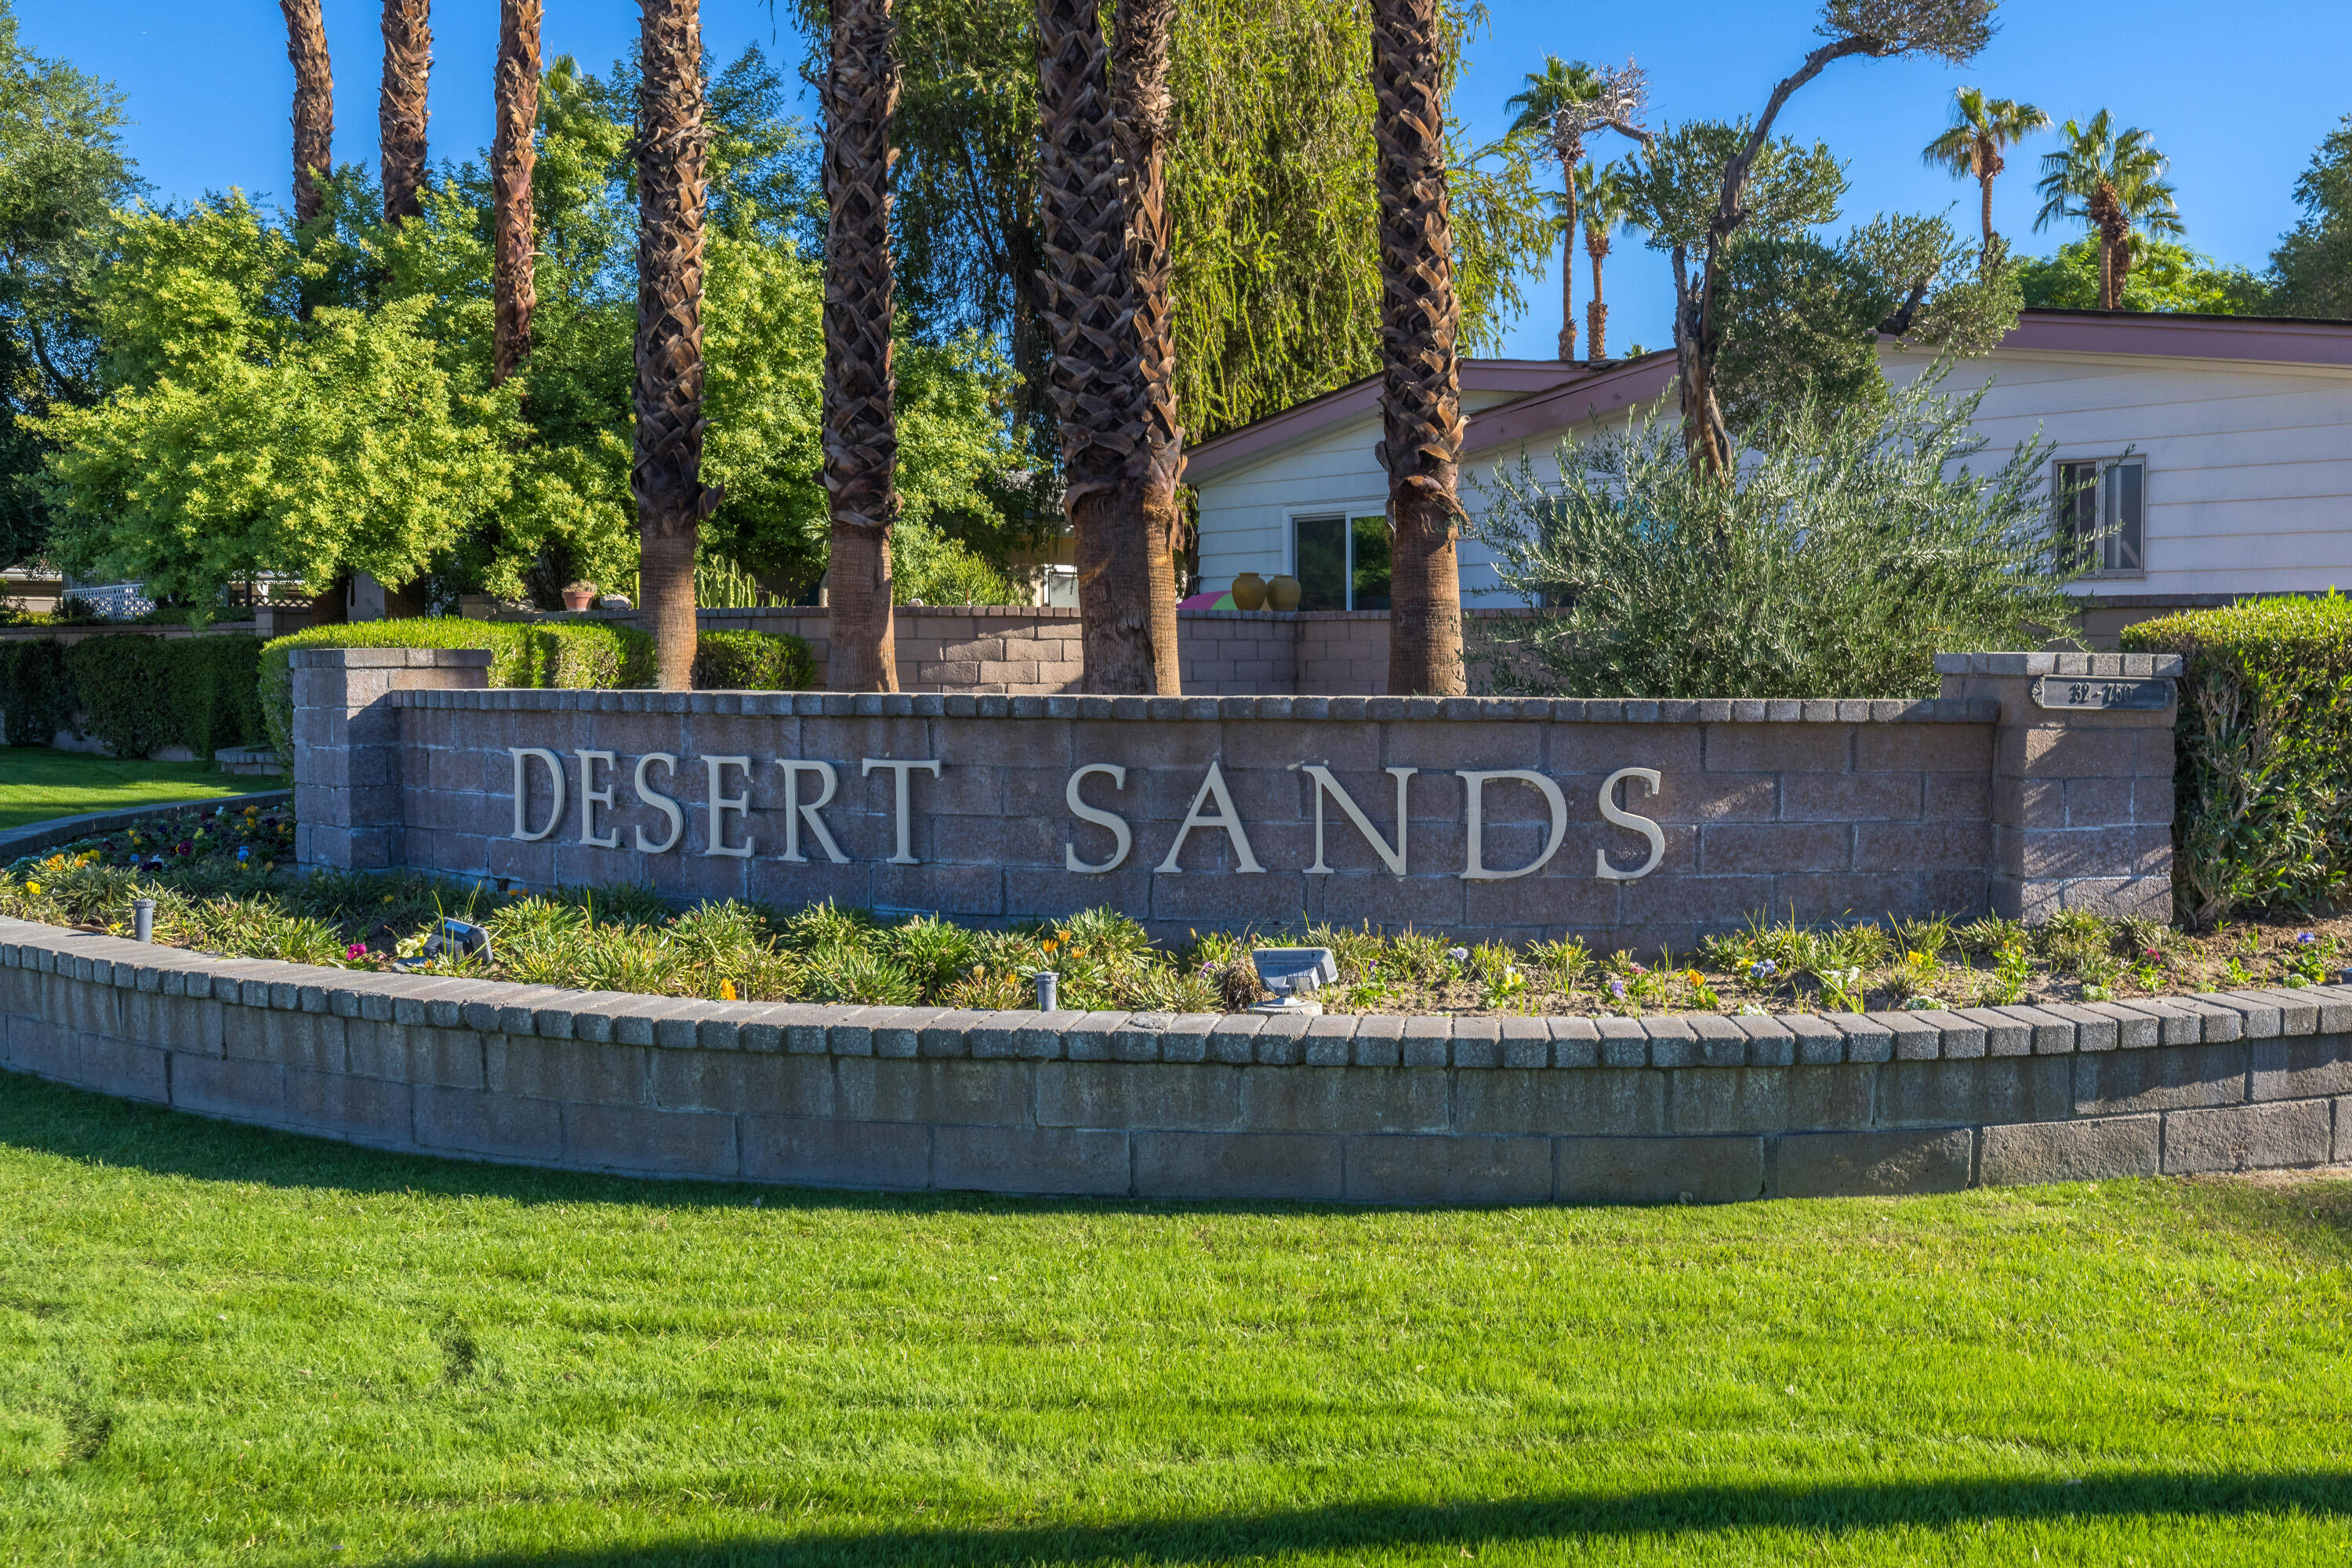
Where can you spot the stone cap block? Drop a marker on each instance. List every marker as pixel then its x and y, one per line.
pixel 2097 666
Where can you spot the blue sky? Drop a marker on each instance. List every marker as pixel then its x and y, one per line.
pixel 2238 95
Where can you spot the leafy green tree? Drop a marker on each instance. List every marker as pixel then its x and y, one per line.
pixel 1981 129
pixel 1859 541
pixel 2165 277
pixel 2113 181
pixel 2312 267
pixel 62 172
pixel 242 438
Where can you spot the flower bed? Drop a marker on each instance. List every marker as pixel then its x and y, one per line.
pixel 223 883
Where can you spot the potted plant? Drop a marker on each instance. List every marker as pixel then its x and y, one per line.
pixel 579 595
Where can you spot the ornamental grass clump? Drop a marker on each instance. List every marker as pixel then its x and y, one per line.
pixel 1852 545
pixel 2263 804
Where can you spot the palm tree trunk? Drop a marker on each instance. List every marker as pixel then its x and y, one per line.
pixel 861 429
pixel 514 293
pixel 1421 391
pixel 1145 117
pixel 1567 272
pixel 400 104
pixel 314 106
pixel 1088 311
pixel 667 475
pixel 1986 183
pixel 1596 314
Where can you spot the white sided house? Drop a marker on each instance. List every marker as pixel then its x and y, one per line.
pixel 2222 445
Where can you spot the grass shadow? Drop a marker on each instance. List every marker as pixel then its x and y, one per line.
pixel 1552 1521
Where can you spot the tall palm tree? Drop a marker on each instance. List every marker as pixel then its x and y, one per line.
pixel 1421 319
pixel 1089 308
pixel 1545 104
pixel 1608 206
pixel 400 104
pixel 1144 115
pixel 2114 182
pixel 667 475
pixel 314 105
pixel 513 293
pixel 1981 127
pixel 861 431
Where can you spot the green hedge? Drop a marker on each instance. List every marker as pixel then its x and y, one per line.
pixel 753 661
pixel 570 654
pixel 2262 817
pixel 136 694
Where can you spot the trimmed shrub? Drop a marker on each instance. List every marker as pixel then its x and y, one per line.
pixel 35 693
pixel 213 686
pixel 122 684
pixel 2262 814
pixel 567 654
pixel 753 661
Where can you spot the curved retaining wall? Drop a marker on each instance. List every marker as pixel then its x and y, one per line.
pixel 1367 1109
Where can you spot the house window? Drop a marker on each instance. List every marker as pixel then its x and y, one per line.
pixel 2102 502
pixel 1341 562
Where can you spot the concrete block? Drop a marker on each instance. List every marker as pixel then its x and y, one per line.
pixel 575 1072
pixel 1853 1164
pixel 1660 1169
pixel 220 1085
pixel 1060 1160
pixel 500 1126
pixel 823 1152
pixel 1348 1100
pixel 1819 1043
pixel 743 1081
pixel 656 1142
pixel 2247 1137
pixel 122 1068
pixel 1769 1099
pixel 1867 1039
pixel 2171 1077
pixel 1771 1044
pixel 2004 1036
pixel 369 1110
pixel 1193 1098
pixel 2301 1067
pixel 2101 1149
pixel 1582 1101
pixel 1624 1041
pixel 1239 1166
pixel 969 1091
pixel 1393 1169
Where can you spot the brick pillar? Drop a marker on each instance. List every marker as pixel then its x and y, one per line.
pixel 2081 798
pixel 347 747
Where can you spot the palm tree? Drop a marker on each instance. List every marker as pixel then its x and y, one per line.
pixel 1608 206
pixel 667 475
pixel 861 430
pixel 2116 184
pixel 1544 105
pixel 513 293
pixel 1089 308
pixel 400 104
pixel 314 105
pixel 1971 148
pixel 1420 317
pixel 1145 117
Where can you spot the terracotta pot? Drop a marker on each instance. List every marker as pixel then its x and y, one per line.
pixel 1249 591
pixel 579 595
pixel 1282 594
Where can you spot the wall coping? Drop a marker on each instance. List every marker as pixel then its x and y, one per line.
pixel 1156 710
pixel 2095 666
pixel 1674 1040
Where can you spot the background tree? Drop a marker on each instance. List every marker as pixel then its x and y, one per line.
pixel 1971 149
pixel 666 474
pixel 1089 311
pixel 314 105
pixel 1421 391
pixel 1543 105
pixel 2164 276
pixel 513 151
pixel 62 173
pixel 861 431
pixel 2312 267
pixel 1952 30
pixel 401 104
pixel 1606 203
pixel 1144 114
pixel 2116 184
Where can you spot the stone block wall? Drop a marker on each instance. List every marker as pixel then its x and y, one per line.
pixel 1342 1108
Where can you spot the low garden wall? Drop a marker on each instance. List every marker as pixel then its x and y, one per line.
pixel 1632 824
pixel 1365 1110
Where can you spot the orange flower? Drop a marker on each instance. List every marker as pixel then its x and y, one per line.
pixel 727 991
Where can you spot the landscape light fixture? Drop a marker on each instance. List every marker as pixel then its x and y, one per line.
pixel 1294 974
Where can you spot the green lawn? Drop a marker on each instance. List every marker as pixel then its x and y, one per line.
pixel 221 1345
pixel 36 784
